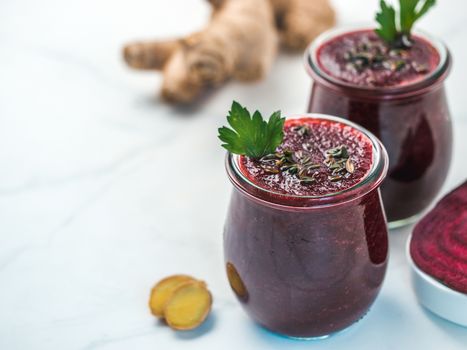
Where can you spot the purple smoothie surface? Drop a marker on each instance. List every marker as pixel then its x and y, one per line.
pixel 320 136
pixel 361 58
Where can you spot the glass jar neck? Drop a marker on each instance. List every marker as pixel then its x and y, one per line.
pixel 425 85
pixel 370 182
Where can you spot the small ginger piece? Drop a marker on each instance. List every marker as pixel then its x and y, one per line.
pixel 188 306
pixel 163 291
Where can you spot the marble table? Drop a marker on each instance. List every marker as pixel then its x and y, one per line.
pixel 87 220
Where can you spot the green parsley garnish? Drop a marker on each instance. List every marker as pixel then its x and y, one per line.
pixel 397 32
pixel 387 20
pixel 251 135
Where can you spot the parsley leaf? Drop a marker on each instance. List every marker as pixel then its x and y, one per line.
pixel 387 21
pixel 251 135
pixel 411 11
pixel 396 32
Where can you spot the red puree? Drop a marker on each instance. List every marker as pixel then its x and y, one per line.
pixel 439 241
pixel 363 59
pixel 321 136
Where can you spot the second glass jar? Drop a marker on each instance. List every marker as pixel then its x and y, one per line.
pixel 412 121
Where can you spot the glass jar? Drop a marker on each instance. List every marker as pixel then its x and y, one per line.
pixel 307 266
pixel 412 121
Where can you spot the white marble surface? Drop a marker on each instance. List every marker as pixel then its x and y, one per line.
pixel 87 220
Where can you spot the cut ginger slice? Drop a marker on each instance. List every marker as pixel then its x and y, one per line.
pixel 163 290
pixel 188 306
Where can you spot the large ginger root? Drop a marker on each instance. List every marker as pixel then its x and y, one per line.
pixel 300 21
pixel 240 42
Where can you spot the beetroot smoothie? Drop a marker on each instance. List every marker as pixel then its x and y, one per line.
pixel 312 138
pixel 398 94
pixel 439 241
pixel 305 239
pixel 362 58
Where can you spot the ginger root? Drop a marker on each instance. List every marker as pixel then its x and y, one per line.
pixel 164 290
pixel 240 42
pixel 300 21
pixel 188 307
pixel 181 300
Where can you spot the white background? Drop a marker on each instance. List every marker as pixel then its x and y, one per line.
pixel 104 189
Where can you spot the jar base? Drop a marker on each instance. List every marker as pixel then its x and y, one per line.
pixel 308 338
pixel 318 338
pixel 403 222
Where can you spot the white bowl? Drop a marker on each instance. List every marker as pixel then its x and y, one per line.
pixel 435 296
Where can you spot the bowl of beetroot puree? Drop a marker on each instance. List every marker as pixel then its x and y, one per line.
pixel 306 251
pixel 397 94
pixel 437 252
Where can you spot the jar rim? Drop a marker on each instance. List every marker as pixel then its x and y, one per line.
pixel 372 179
pixel 315 71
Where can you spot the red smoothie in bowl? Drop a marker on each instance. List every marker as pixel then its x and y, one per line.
pixel 305 238
pixel 396 93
